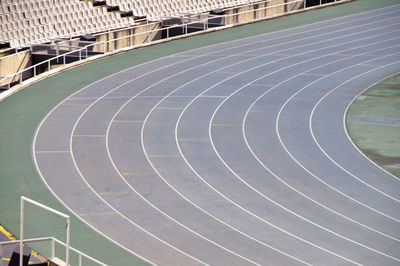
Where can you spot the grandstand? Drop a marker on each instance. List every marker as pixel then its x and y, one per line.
pixel 31 22
pixel 39 35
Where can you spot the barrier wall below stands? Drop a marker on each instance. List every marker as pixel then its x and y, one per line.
pixel 138 35
pixel 261 11
pixel 13 63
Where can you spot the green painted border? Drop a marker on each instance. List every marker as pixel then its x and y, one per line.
pixel 21 113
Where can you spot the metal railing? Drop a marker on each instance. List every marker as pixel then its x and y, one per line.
pixel 40 205
pixel 52 248
pixel 53 240
pixel 150 37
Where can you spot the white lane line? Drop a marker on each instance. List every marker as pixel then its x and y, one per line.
pixel 118 172
pixel 356 222
pixel 178 122
pixel 245 137
pixel 183 196
pixel 156 172
pixel 35 160
pixel 113 75
pixel 260 192
pixel 366 15
pixel 132 98
pixel 110 205
pixel 178 141
pixel 371 65
pixel 329 157
pixel 263 195
pixel 351 141
pixel 156 106
pixel 189 82
pixel 284 182
pixel 309 171
pixel 132 68
pixel 243 209
pixel 97 99
pixel 205 75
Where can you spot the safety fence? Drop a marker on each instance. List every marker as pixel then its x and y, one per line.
pixel 50 248
pixel 69 255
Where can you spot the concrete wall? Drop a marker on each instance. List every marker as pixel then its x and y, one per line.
pixel 14 63
pixel 260 11
pixel 122 39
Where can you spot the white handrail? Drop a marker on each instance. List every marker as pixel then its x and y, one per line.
pixel 55 240
pixel 38 204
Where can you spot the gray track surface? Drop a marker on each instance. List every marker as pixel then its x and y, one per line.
pixel 236 153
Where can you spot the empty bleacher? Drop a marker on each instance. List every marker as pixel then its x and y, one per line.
pixel 40 21
pixel 157 9
pixel 39 35
pixel 23 23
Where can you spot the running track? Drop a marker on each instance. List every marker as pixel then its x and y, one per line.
pixel 236 153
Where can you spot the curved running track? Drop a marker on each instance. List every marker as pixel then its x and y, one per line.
pixel 234 154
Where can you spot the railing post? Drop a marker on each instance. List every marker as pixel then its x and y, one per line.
pixel 53 247
pixel 20 77
pixel 80 55
pixel 63 60
pixel 34 71
pixel 79 259
pixel 68 241
pixel 49 65
pixel 21 232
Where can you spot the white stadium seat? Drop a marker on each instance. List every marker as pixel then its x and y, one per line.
pixel 69 18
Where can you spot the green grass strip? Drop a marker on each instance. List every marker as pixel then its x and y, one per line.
pixel 380 142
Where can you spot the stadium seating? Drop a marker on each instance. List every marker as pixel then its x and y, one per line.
pixel 39 21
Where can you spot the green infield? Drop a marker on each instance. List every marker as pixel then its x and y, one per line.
pixel 374 123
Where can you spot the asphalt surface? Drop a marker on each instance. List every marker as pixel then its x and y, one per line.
pixel 235 153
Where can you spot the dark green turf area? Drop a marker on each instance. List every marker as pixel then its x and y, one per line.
pixel 377 133
pixel 21 113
